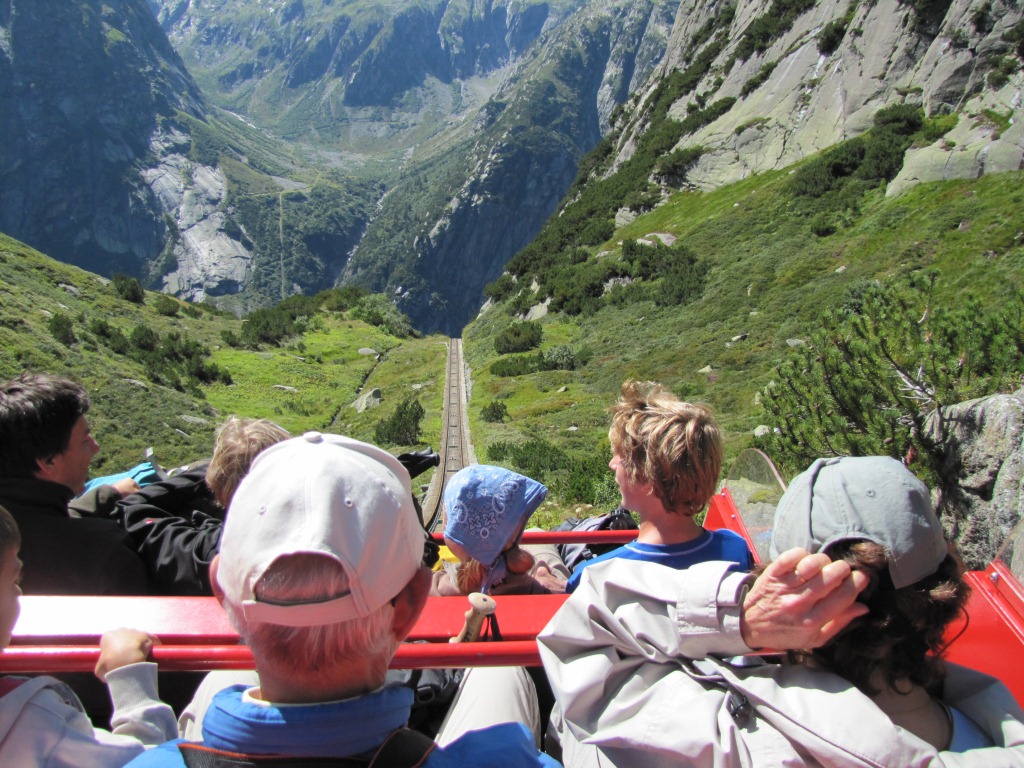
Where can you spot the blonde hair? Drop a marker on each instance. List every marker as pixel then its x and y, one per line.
pixel 673 445
pixel 239 441
pixel 470 574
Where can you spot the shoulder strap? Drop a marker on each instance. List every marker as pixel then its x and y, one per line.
pixel 200 756
pixel 404 748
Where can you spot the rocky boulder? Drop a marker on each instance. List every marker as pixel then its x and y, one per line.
pixel 982 496
pixel 369 399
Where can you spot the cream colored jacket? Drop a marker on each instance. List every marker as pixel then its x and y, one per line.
pixel 617 655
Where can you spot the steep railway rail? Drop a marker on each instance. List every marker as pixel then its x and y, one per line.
pixel 454 450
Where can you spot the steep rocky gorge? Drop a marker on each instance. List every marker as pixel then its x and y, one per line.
pixel 481 110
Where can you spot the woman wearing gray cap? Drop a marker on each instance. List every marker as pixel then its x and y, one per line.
pixel 630 655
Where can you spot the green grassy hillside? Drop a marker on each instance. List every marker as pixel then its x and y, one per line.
pixel 308 382
pixel 765 278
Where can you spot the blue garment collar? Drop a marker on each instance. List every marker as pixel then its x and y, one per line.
pixel 338 729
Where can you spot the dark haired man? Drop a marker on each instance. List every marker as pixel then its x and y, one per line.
pixel 45 450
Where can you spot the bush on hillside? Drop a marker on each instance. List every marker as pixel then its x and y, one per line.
pixel 766 29
pixel 673 166
pixel 683 279
pixel 500 288
pixel 128 288
pixel 341 299
pixel 518 337
pixel 403 426
pixel 759 79
pixel 110 335
pixel 883 364
pixel 565 358
pixel 62 328
pixel 495 411
pixel 165 305
pixel 831 36
pixel 1015 36
pixel 571 476
pixel 517 365
pixel 377 310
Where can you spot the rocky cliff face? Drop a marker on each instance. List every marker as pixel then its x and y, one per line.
pixel 94 152
pixel 83 88
pixel 201 260
pixel 803 88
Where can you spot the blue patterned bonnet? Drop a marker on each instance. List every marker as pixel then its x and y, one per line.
pixel 485 508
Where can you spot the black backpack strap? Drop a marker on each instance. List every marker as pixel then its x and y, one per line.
pixel 405 748
pixel 199 756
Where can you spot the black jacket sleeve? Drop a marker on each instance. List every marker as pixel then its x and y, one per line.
pixel 173 528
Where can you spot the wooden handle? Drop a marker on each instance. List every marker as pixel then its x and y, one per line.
pixel 480 606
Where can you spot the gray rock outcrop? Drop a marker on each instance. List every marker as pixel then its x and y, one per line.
pixel 805 100
pixel 208 262
pixel 982 496
pixel 369 399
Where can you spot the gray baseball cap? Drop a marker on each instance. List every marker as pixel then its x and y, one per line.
pixel 865 497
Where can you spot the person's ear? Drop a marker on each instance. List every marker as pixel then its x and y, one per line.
pixel 217 591
pixel 44 468
pixel 409 603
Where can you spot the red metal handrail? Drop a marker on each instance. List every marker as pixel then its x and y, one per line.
pixel 567 537
pixel 60 634
pixel 203 658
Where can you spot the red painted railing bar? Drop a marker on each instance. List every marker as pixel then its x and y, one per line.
pixel 567 537
pixel 171 658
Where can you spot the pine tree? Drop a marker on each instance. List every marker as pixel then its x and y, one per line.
pixel 403 426
pixel 882 366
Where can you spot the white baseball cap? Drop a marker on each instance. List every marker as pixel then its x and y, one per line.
pixel 864 497
pixel 328 495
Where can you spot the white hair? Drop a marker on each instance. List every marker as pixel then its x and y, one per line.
pixel 315 578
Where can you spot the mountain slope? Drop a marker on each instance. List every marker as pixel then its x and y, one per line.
pixel 800 76
pixel 112 160
pixel 58 318
pixel 83 87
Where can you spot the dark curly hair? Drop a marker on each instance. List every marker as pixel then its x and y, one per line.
pixel 901 637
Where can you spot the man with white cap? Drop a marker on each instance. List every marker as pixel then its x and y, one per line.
pixel 631 655
pixel 321 571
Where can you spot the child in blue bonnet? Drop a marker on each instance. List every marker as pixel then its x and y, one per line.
pixel 486 510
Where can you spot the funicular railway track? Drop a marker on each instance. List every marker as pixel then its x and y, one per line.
pixel 454 449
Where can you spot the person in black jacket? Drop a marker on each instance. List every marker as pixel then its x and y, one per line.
pixel 46 447
pixel 175 524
